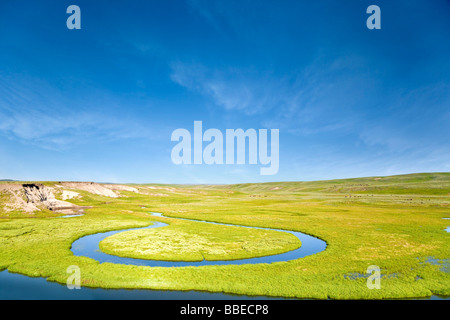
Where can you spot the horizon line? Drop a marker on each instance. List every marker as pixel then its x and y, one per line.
pixel 219 184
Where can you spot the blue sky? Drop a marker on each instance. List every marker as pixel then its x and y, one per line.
pixel 100 103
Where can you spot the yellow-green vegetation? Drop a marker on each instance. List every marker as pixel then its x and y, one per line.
pixel 392 222
pixel 196 241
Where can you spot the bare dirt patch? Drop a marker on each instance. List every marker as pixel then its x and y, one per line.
pixel 91 187
pixel 119 187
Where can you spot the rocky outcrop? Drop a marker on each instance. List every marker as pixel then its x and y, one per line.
pixel 32 197
pixel 37 193
pixel 13 198
pixel 40 195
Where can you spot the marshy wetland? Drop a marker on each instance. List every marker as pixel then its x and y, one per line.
pixel 395 223
pixel 167 251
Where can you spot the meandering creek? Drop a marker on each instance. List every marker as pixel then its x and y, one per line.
pixel 88 246
pixel 16 286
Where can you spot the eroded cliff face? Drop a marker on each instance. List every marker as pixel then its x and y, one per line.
pixel 32 197
pixel 38 194
pixel 13 198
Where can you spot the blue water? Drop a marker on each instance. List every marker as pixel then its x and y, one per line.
pixel 19 287
pixel 88 246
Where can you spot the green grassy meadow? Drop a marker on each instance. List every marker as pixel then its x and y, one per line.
pixel 392 222
pixel 196 241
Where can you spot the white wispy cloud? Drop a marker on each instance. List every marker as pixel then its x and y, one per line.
pixel 315 99
pixel 35 112
pixel 244 90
